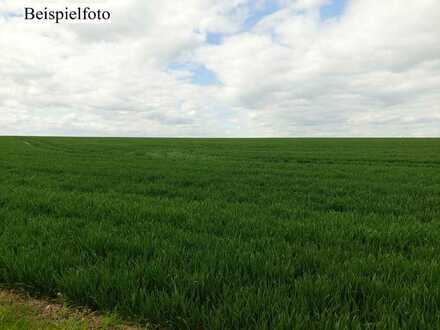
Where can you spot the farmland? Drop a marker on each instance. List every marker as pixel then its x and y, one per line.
pixel 235 234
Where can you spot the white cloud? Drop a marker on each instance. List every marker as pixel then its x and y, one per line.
pixel 302 76
pixel 373 71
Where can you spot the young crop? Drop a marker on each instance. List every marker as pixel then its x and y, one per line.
pixel 227 234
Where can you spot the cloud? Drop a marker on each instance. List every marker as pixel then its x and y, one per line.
pixel 302 76
pixel 373 71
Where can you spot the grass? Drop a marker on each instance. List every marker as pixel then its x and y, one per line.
pixel 236 234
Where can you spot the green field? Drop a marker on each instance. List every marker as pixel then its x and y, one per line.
pixel 227 234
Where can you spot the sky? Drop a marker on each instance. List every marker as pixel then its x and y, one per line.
pixel 223 68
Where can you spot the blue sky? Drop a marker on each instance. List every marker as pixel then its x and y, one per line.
pixel 268 8
pixel 334 9
pixel 200 74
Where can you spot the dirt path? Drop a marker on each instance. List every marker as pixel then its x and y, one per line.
pixel 18 311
